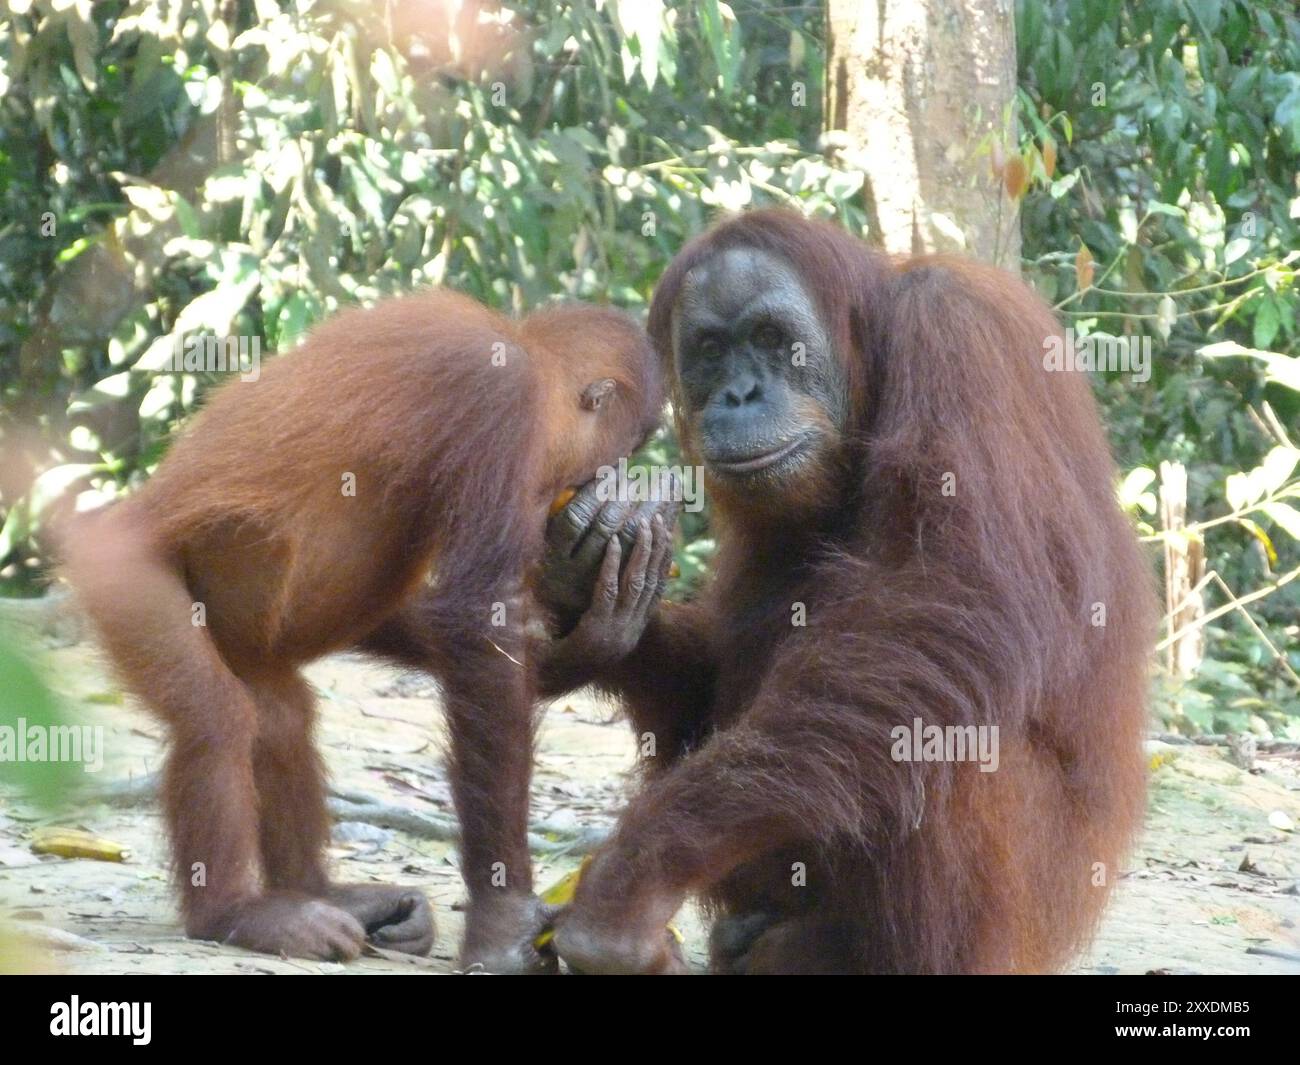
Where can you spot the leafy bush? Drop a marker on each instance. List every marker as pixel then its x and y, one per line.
pixel 243 170
pixel 1173 212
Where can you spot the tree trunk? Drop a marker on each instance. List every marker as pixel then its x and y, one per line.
pixel 922 90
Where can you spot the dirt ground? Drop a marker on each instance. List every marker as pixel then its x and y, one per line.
pixel 1212 888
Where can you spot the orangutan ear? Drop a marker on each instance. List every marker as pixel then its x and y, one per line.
pixel 596 393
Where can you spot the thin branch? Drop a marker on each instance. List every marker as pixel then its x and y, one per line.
pixel 1209 523
pixel 1281 658
pixel 1175 292
pixel 1227 608
pixel 1175 610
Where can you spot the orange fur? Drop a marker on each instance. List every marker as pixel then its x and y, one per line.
pixel 968 608
pixel 458 427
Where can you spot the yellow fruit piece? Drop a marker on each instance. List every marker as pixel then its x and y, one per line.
pixel 561 893
pixel 562 500
pixel 74 843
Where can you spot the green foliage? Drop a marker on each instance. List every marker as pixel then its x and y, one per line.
pixel 1177 126
pixel 244 169
pixel 26 700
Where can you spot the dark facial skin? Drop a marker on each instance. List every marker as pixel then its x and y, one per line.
pixel 762 390
pixel 763 401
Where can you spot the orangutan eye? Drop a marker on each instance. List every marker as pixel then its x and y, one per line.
pixel 708 347
pixel 767 336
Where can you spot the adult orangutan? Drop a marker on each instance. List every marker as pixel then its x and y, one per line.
pixel 302 514
pixel 917 535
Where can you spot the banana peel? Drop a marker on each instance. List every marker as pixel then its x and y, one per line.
pixel 76 843
pixel 561 893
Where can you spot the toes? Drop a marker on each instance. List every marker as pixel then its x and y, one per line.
pixel 521 962
pixel 417 947
pixel 410 937
pixel 335 934
pixel 409 928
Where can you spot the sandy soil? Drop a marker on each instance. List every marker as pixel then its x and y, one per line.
pixel 1212 882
